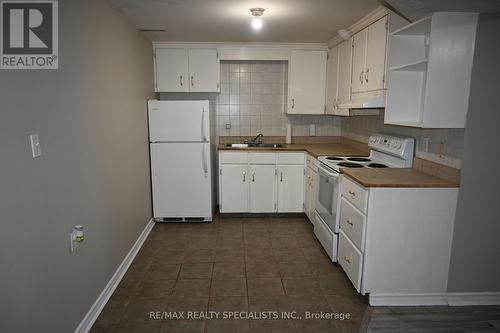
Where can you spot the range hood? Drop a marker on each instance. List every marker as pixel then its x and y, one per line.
pixel 371 100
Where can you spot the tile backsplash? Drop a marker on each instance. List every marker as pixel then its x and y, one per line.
pixel 445 145
pixel 253 100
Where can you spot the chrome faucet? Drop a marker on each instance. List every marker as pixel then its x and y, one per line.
pixel 257 139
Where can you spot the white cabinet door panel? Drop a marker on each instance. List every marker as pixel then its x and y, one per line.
pixel 345 64
pixel 262 188
pixel 332 79
pixel 358 60
pixel 375 55
pixel 234 188
pixel 307 82
pixel 203 70
pixel 290 188
pixel 171 70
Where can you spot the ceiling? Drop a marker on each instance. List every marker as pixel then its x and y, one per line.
pixel 416 9
pixel 229 20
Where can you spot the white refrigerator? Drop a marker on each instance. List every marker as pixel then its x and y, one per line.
pixel 179 138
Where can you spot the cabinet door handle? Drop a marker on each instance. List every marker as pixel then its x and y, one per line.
pixel 192 81
pixel 281 176
pixel 244 176
pixel 353 194
pixel 293 103
pixel 347 259
pixel 361 77
pixel 253 177
pixel 348 221
pixel 180 80
pixel 366 75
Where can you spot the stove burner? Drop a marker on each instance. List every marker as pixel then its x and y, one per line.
pixel 349 165
pixel 359 159
pixel 333 158
pixel 377 165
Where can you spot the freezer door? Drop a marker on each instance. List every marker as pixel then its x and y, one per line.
pixel 179 121
pixel 181 180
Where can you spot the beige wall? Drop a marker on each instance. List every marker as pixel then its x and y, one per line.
pixel 91 117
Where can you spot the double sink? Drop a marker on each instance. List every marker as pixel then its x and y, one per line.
pixel 254 145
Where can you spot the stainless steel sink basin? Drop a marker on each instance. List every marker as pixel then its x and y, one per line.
pixel 254 145
pixel 269 145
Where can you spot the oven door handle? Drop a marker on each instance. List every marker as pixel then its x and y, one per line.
pixel 329 174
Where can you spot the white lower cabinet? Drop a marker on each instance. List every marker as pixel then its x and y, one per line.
pixel 290 188
pixel 257 183
pixel 233 188
pixel 395 243
pixel 262 189
pixel 351 259
pixel 311 183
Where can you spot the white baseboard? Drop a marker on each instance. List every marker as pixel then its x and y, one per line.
pixel 407 299
pixel 479 298
pixel 452 299
pixel 96 308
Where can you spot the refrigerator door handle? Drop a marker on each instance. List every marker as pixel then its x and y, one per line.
pixel 204 158
pixel 203 129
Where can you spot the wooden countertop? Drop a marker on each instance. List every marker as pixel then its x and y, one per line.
pixel 315 149
pixel 395 177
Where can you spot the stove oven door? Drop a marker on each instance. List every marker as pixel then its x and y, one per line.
pixel 328 197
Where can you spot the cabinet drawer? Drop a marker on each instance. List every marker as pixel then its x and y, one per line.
pixel 233 158
pixel 352 222
pixel 291 158
pixel 350 259
pixel 356 194
pixel 262 158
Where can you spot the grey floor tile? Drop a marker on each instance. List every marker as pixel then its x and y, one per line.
pixel 228 287
pixel 265 287
pixel 196 271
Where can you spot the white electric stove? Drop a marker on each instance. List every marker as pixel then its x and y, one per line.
pixel 386 151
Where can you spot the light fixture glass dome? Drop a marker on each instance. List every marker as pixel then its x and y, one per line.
pixel 257 23
pixel 256 13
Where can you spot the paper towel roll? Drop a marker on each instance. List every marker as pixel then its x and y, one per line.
pixel 288 134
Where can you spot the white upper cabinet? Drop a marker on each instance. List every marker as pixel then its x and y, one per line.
pixel 203 70
pixel 332 83
pixel 307 81
pixel 339 78
pixel 358 60
pixel 171 70
pixel 345 65
pixel 186 70
pixel 429 71
pixel 376 46
pixel 368 57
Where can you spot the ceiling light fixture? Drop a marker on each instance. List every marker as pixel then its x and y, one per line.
pixel 256 13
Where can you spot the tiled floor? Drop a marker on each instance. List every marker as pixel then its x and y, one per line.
pixel 249 265
pixel 255 265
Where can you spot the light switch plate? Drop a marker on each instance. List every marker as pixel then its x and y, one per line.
pixel 36 149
